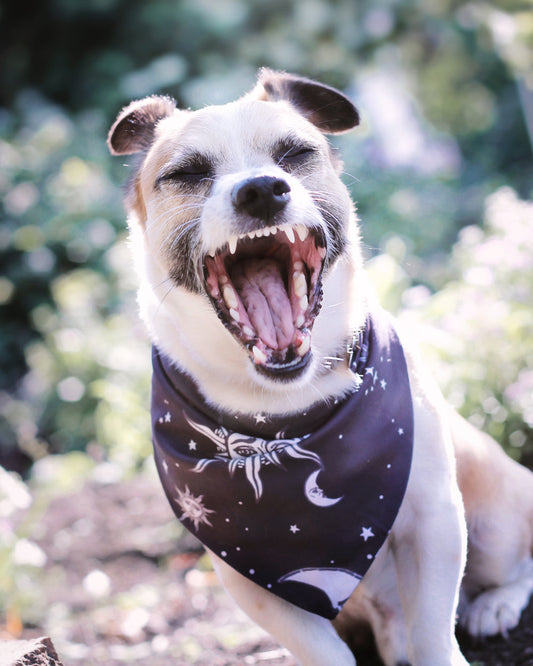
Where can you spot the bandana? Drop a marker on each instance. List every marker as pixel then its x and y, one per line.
pixel 302 504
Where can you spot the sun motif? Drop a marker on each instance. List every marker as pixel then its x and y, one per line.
pixel 193 507
pixel 249 453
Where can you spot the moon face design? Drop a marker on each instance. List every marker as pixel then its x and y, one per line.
pixel 337 584
pixel 315 494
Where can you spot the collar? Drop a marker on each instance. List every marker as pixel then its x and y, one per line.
pixel 300 504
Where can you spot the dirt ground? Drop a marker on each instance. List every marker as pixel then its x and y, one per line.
pixel 125 584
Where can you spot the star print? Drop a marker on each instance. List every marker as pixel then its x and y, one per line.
pixel 193 507
pixel 369 371
pixel 367 533
pixel 294 529
pixel 192 445
pixel 383 384
pixel 168 418
pixel 400 431
pixel 260 418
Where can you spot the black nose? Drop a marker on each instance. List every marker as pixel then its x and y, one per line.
pixel 261 197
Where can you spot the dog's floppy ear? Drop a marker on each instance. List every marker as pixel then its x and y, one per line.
pixel 133 130
pixel 328 109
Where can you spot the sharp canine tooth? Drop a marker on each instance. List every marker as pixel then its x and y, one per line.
pixel 302 231
pixel 304 303
pixel 248 331
pixel 300 284
pixel 234 314
pixel 321 252
pixel 251 234
pixel 300 319
pixel 304 347
pixel 230 297
pixel 233 244
pixel 259 356
pixel 289 233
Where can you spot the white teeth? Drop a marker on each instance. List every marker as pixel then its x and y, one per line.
pixel 251 234
pixel 289 233
pixel 234 314
pixel 233 244
pixel 248 331
pixel 300 284
pixel 304 347
pixel 302 231
pixel 259 356
pixel 212 253
pixel 304 303
pixel 267 231
pixel 230 297
pixel 321 252
pixel 300 319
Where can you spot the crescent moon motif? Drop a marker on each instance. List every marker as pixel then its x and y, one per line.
pixel 315 494
pixel 337 584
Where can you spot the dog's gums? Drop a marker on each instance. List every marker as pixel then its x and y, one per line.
pixel 266 288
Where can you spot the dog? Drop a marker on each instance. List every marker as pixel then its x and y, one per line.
pixel 296 431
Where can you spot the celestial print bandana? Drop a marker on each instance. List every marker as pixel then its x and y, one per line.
pixel 301 504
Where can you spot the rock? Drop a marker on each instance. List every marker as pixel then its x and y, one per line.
pixel 38 652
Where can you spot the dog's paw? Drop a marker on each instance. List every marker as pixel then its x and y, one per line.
pixel 496 611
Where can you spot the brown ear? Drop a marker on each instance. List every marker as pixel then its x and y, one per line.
pixel 133 130
pixel 328 109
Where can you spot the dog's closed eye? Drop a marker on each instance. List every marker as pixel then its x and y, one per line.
pixel 291 155
pixel 189 171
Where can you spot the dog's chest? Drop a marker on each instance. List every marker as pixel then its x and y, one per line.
pixel 299 505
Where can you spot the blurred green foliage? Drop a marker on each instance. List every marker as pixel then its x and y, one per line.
pixel 475 331
pixel 444 89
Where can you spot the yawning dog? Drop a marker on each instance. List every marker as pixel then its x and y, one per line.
pixel 296 432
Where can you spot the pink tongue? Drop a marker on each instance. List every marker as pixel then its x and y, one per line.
pixel 260 285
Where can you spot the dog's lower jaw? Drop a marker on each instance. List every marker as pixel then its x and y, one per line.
pixel 222 368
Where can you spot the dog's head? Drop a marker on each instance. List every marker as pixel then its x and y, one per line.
pixel 242 204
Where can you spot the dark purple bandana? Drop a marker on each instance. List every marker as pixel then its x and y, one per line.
pixel 301 504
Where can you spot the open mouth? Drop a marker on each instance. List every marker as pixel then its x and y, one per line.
pixel 266 288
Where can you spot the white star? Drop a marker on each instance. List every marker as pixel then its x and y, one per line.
pixel 168 418
pixel 367 533
pixel 400 431
pixel 383 384
pixel 259 418
pixel 192 445
pixel 294 529
pixel 369 371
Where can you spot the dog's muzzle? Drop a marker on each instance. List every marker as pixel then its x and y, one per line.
pixel 265 283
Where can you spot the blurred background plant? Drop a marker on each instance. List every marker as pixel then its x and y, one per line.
pixel 441 170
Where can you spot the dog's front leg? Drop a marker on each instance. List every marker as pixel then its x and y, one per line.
pixel 430 558
pixel 310 638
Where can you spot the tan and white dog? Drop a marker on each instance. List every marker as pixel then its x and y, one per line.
pixel 230 186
